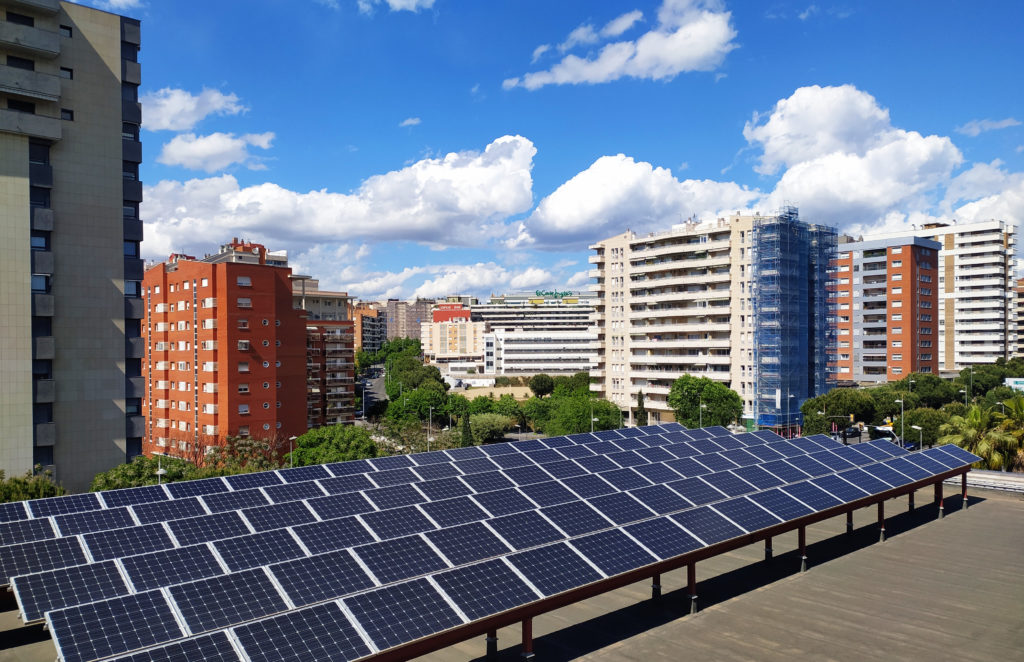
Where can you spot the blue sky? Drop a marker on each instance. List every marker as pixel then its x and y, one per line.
pixel 425 147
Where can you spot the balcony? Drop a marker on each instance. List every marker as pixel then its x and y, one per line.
pixel 45 434
pixel 31 84
pixel 135 387
pixel 34 126
pixel 30 40
pixel 42 305
pixel 134 348
pixel 42 218
pixel 134 308
pixel 43 390
pixel 135 426
pixel 43 347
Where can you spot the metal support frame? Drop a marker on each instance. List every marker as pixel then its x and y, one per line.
pixel 910 502
pixel 802 542
pixel 881 521
pixel 527 653
pixel 938 499
pixel 963 488
pixel 655 587
pixel 849 521
pixel 492 644
pixel 768 548
pixel 691 582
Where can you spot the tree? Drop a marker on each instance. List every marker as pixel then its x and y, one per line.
pixel 572 414
pixel 722 405
pixel 38 485
pixel 467 432
pixel 508 407
pixel 886 407
pixel 996 397
pixel 333 443
pixel 1012 422
pixel 932 390
pixel 542 385
pixel 926 418
pixel 981 379
pixel 977 431
pixel 578 384
pixel 457 405
pixel 481 404
pixel 142 471
pixel 489 428
pixel 641 411
pixel 537 412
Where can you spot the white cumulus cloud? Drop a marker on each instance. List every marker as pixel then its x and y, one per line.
pixel 620 24
pixel 215 151
pixel 459 199
pixel 977 127
pixel 366 6
pixel 410 121
pixel 584 34
pixel 171 109
pixel 691 35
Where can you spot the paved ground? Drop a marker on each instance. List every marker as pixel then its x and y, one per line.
pixel 935 590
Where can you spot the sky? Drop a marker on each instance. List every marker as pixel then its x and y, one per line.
pixel 404 148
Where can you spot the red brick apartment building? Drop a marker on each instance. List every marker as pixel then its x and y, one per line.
pixel 884 299
pixel 226 351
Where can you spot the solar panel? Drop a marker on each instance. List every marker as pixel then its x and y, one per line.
pixel 293 492
pixel 467 543
pixel 96 520
pixel 299 474
pixel 813 496
pixel 451 512
pixel 391 462
pixel 488 481
pixel 173 566
pixel 746 513
pixel 758 477
pixel 397 522
pixel 37 556
pixel 444 488
pixel 908 468
pixel 393 477
pixel 780 504
pixel 548 493
pixel 660 499
pixel 399 613
pixel 663 538
pixel 523 530
pixel 729 483
pixel 322 577
pixel 133 496
pixel 75 503
pixel 401 558
pixel 839 488
pixel 625 479
pixel 248 481
pixel 696 491
pixel 208 527
pixel 343 484
pixel 333 534
pixel 123 542
pixel 503 502
pixel 340 505
pixel 197 487
pixel 707 525
pixel 864 480
pixel 258 549
pixel 434 471
pixel 527 475
pixel 512 460
pixel 101 629
pixel 162 511
pixel 620 508
pixel 212 603
pixel 613 552
pixel 564 469
pixel 505 589
pixel 554 568
pixel 278 516
pixel 41 592
pixel 214 647
pixel 576 518
pixel 223 502
pixel 26 530
pixel 317 633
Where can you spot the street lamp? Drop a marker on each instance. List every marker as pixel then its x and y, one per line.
pixel 160 471
pixel 593 418
pixel 920 436
pixel 430 425
pixel 964 391
pixel 291 440
pixel 911 382
pixel 902 424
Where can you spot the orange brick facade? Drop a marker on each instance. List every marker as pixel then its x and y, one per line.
pixel 225 355
pixel 884 302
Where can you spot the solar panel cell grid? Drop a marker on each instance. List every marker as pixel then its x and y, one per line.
pixel 391 462
pixel 573 452
pixel 613 552
pixel 26 530
pixel 213 603
pixel 485 588
pixel 625 479
pixel 467 543
pixel 576 518
pixel 333 534
pixel 839 488
pixel 220 503
pixel 452 512
pixel 908 468
pixel 129 497
pixel 758 477
pixel 564 469
pixel 265 518
pixel 785 471
pixel 544 456
pixel 322 577
pixel 396 614
pixel 340 505
pixel 620 508
pixel 780 504
pixel 349 483
pixel 317 633
pixel 123 542
pixel 397 522
pixel 887 474
pixel 554 568
pixel 401 558
pixel 707 525
pixel 197 487
pixel 395 496
pixel 393 477
pixel 161 511
pixel 208 527
pixel 729 483
pixel 42 592
pixel 548 493
pixel 443 488
pixel 209 648
pixel 503 502
pixel 596 463
pixel 660 499
pixel 248 481
pixel 173 566
pixel 524 530
pixel 476 465
pixel 436 471
pixel 38 556
pixel 258 549
pixel 696 491
pixel 76 503
pixel 831 460
pixel 293 492
pixel 300 474
pixel 663 537
pixel 96 520
pixel 10 512
pixel 815 497
pixel 527 475
pixel 487 482
pixel 746 513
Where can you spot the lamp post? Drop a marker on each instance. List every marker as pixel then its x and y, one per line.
pixel 160 471
pixel 593 418
pixel 291 441
pixel 911 382
pixel 964 391
pixel 902 424
pixel 920 436
pixel 430 425
pixel 700 413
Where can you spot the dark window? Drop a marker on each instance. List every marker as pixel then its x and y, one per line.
pixel 132 448
pixel 67 73
pixel 129 131
pixel 21 106
pixel 67 114
pixel 133 367
pixel 130 210
pixel 129 52
pixel 65 31
pixel 131 249
pixel 20 19
pixel 132 406
pixel 40 283
pixel 40 240
pixel 131 288
pixel 42 412
pixel 21 63
pixel 129 92
pixel 38 152
pixel 129 170
pixel 42 455
pixel 42 369
pixel 39 196
pixel 42 326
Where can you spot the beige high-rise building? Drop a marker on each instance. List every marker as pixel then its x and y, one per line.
pixel 976 298
pixel 70 272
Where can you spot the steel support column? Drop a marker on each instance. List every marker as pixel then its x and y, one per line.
pixel 527 653
pixel 691 582
pixel 881 521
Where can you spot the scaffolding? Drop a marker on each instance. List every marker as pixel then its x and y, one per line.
pixel 792 337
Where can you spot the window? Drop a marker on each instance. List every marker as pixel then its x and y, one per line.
pixel 897 290
pixel 40 241
pixel 243 366
pixel 896 264
pixel 244 302
pixel 266 343
pixel 897 277
pixel 243 324
pixel 266 405
pixel 243 430
pixel 129 51
pixel 65 31
pixel 21 106
pixel 897 343
pixel 20 19
pixel 129 170
pixel 40 283
pixel 279 385
pixel 129 92
pixel 130 210
pixel 38 152
pixel 277 364
pixel 243 345
pixel 205 282
pixel 243 388
pixel 21 63
pixel 266 426
pixel 897 250
pixel 897 304
pixel 266 364
pixel 132 288
pixel 266 322
pixel 243 410
pixel 897 357
pixel 898 317
pixel 131 249
pixel 67 114
pixel 244 281
pixel 266 385
pixel 68 73
pixel 129 131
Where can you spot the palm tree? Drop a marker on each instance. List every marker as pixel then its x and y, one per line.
pixel 978 431
pixel 1012 422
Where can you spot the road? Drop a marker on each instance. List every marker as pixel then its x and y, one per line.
pixel 374 391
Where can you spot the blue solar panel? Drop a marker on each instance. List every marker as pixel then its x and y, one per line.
pixel 397 522
pixel 523 530
pixel 741 457
pixel 101 629
pixel 249 481
pixel 574 452
pixel 300 474
pixel 564 469
pixel 132 496
pixel 545 456
pixel 813 496
pixel 657 473
pixel 226 501
pixel 520 446
pixel 729 483
pixel 554 568
pixel 210 648
pixel 293 492
pixel 391 462
pixel 258 549
pixel 467 543
pixel 444 488
pixel 864 480
pixel 332 534
pixel 784 470
pixel 476 465
pixel 940 456
pixel 715 462
pixel 350 467
pixel 488 482
pixel 452 512
pixel 435 471
pixel 681 450
pixel 209 604
pixel 512 460
pixel 316 633
pixel 632 444
pixel 780 504
pixel 746 513
pixel 660 499
pixel 809 465
pixel 75 503
pixel 589 486
pixel 265 518
pixel 620 508
pixel 340 505
pixel 42 592
pixel 604 447
pixel 321 577
pixel 25 530
pixel 96 520
pixel 613 552
pixel 625 479
pixel 548 493
pixel 871 451
pixel 576 518
pixel 663 537
pixel 124 542
pixel 707 525
pixel 342 484
pixel 434 457
pixel 832 460
pixel 764 453
pixel 758 477
pixel 805 444
pixel 696 491
pixel 527 475
pixel 503 502
pixel 839 488
pixel 705 446
pixel 401 558
pixel 627 458
pixel 903 466
pixel 37 556
pixel 10 512
pixel 393 615
pixel 655 454
pixel 887 474
pixel 162 511
pixel 485 588
pixel 596 463
pixel 191 488
pixel 395 496
pixel 687 466
pixel 958 453
pixel 393 477
pixel 173 566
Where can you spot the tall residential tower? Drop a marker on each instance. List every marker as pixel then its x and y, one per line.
pixel 70 272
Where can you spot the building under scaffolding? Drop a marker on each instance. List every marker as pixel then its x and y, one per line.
pixel 791 329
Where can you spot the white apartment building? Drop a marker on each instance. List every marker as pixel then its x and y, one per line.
pixel 454 345
pixel 673 303
pixel 976 298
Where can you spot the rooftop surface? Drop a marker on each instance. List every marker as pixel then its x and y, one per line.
pixel 935 590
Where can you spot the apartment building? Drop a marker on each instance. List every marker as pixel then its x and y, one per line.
pixel 404 317
pixel 319 304
pixel 976 299
pixel 1018 314
pixel 454 345
pixel 330 373
pixel 370 326
pixel 450 312
pixel 225 351
pixel 884 300
pixel 70 397
pixel 693 300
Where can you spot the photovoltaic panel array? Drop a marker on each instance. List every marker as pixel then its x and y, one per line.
pixel 540 534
